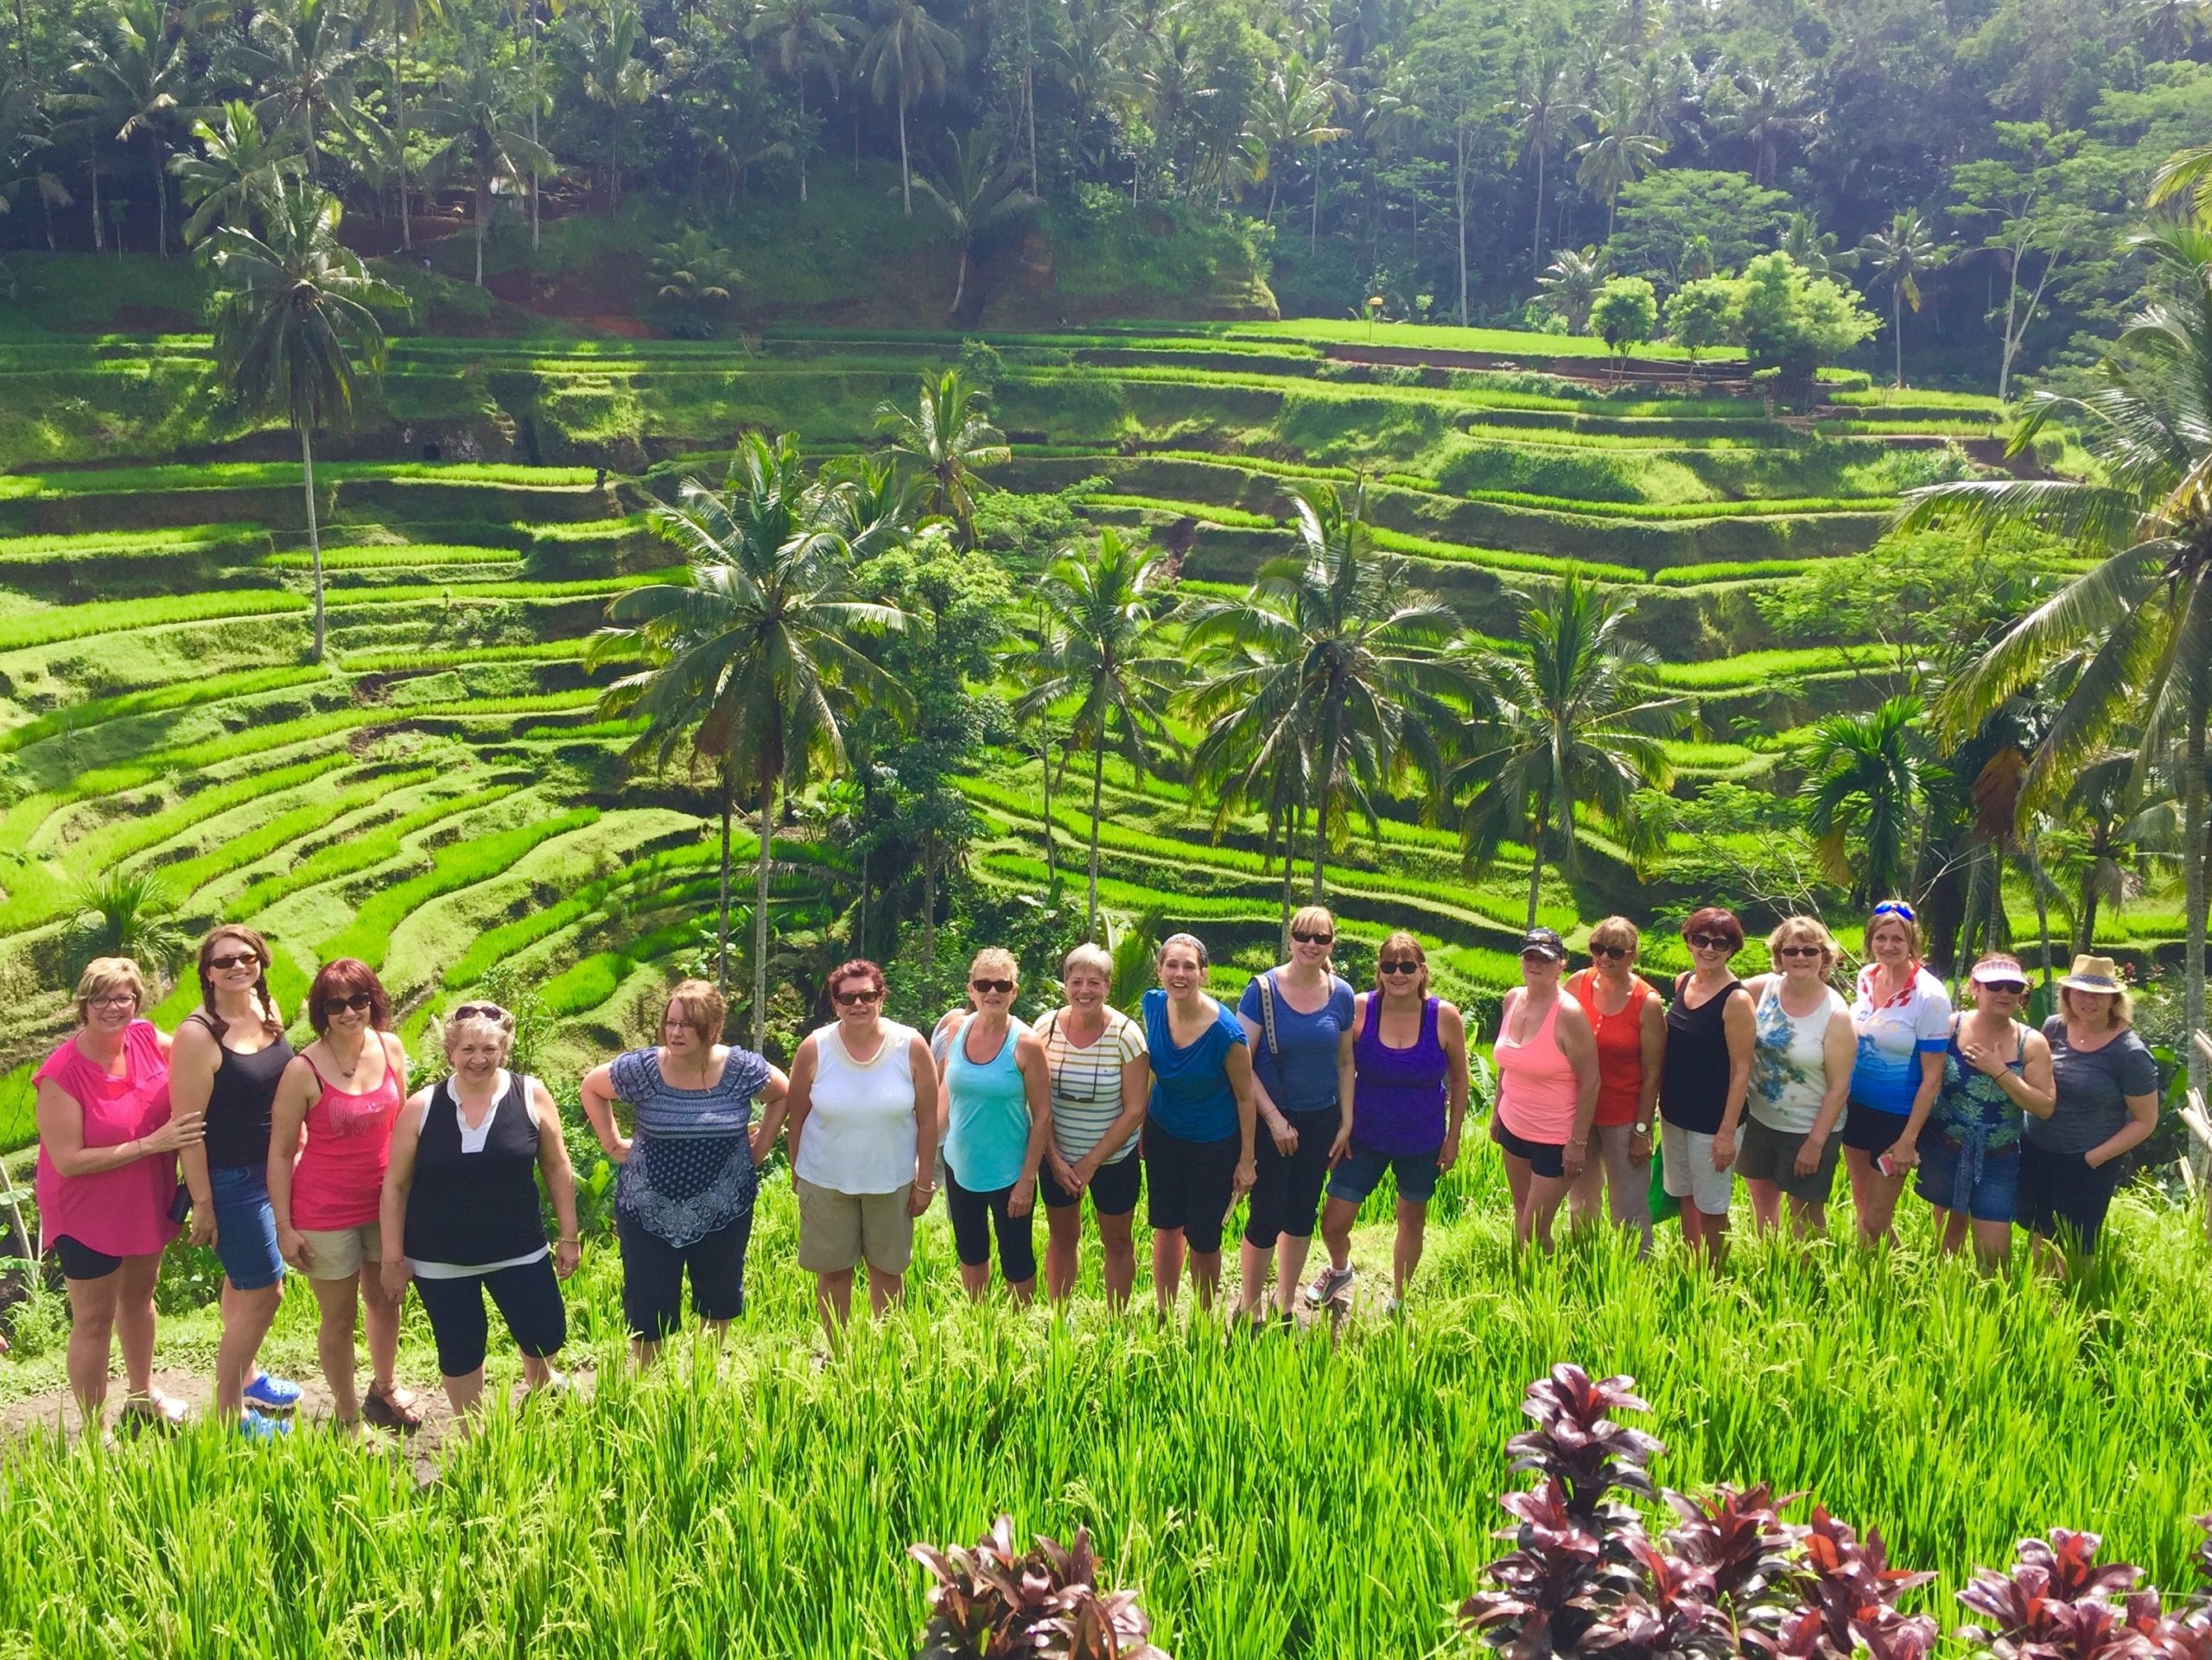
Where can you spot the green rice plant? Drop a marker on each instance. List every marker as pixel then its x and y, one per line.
pixel 183 694
pixel 496 945
pixel 543 651
pixel 1503 342
pixel 375 557
pixel 1235 518
pixel 188 876
pixel 362 848
pixel 1540 564
pixel 233 475
pixel 61 623
pixel 63 550
pixel 1753 508
pixel 1759 668
pixel 1729 570
pixel 422 593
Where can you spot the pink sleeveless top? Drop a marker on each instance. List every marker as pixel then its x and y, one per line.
pixel 1536 1090
pixel 339 1181
pixel 124 1212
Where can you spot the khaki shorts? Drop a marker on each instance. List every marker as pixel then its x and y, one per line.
pixel 836 1231
pixel 340 1253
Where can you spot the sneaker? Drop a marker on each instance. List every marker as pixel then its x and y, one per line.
pixel 260 1427
pixel 272 1393
pixel 386 1412
pixel 1328 1285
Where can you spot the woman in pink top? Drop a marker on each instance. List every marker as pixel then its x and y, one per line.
pixel 106 1185
pixel 1547 1088
pixel 344 1090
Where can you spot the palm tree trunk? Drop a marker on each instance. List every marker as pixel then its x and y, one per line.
pixel 1051 851
pixel 929 901
pixel 905 177
pixel 1536 237
pixel 1290 865
pixel 160 205
pixel 2197 855
pixel 1327 777
pixel 93 140
pixel 535 100
pixel 960 284
pixel 1459 179
pixel 761 912
pixel 1314 231
pixel 399 130
pixel 314 540
pixel 1097 791
pixel 1897 331
pixel 2085 924
pixel 721 929
pixel 483 208
pixel 1536 859
pixel 801 131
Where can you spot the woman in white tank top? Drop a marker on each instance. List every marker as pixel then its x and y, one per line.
pixel 863 1144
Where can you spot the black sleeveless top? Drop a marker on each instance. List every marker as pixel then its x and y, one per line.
pixel 468 1208
pixel 238 1103
pixel 1693 1081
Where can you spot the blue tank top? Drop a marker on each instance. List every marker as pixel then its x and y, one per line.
pixel 1397 1094
pixel 986 1133
pixel 1191 1096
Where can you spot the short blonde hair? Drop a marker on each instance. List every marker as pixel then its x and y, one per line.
pixel 700 1006
pixel 502 1032
pixel 1096 958
pixel 1792 931
pixel 997 962
pixel 1616 931
pixel 1307 918
pixel 2123 1007
pixel 1881 919
pixel 104 975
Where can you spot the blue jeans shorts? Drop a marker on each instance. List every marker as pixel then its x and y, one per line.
pixel 1361 1171
pixel 245 1227
pixel 1950 1180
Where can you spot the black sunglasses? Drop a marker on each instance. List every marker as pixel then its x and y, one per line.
pixel 991 985
pixel 1611 953
pixel 847 999
pixel 471 1011
pixel 1711 943
pixel 1406 966
pixel 360 1002
pixel 234 960
pixel 2010 988
pixel 1305 938
pixel 1798 950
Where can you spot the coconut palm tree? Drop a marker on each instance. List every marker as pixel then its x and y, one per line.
pixel 1256 759
pixel 1101 646
pixel 403 21
pixel 1293 112
pixel 1540 115
pixel 304 54
pixel 910 56
pixel 976 194
pixel 241 169
pixel 136 76
pixel 1620 154
pixel 1575 721
pixel 1572 283
pixel 616 79
pixel 1864 779
pixel 1772 111
pixel 1900 255
pixel 805 37
pixel 1342 637
pixel 25 148
pixel 293 330
pixel 124 914
pixel 755 660
pixel 474 114
pixel 2142 618
pixel 946 438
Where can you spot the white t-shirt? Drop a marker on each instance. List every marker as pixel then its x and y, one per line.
pixel 1788 1061
pixel 1893 1037
pixel 859 1133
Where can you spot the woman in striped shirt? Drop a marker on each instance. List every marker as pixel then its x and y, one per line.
pixel 1101 1078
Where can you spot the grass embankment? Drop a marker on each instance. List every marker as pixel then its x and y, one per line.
pixel 1284 1496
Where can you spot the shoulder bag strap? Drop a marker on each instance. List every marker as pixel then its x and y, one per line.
pixel 1266 984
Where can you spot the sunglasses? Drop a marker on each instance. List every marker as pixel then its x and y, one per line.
pixel 847 999
pixel 471 1011
pixel 1406 967
pixel 235 960
pixel 1798 951
pixel 1896 908
pixel 360 1002
pixel 1710 943
pixel 2009 988
pixel 1611 953
pixel 1305 938
pixel 989 987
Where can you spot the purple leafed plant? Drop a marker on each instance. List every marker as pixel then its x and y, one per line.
pixel 2058 1603
pixel 1738 1537
pixel 991 1604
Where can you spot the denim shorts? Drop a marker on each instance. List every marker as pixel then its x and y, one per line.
pixel 1992 1194
pixel 245 1227
pixel 1360 1171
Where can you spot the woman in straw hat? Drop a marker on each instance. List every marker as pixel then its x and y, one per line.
pixel 2107 1102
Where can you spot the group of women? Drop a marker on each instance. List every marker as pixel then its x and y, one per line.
pixel 1302 1099
pixel 1777 1079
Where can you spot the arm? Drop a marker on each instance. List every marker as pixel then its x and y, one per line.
pixel 60 1119
pixel 798 1099
pixel 1348 1078
pixel 1451 1034
pixel 1838 1053
pixel 193 1058
pixel 1906 1154
pixel 398 1176
pixel 288 1115
pixel 1571 1031
pixel 597 1094
pixel 775 1101
pixel 1740 1027
pixel 1651 1039
pixel 1137 1094
pixel 925 1120
pixel 2142 1119
pixel 1237 1063
pixel 1279 1129
pixel 2031 1088
pixel 1037 1084
pixel 560 1179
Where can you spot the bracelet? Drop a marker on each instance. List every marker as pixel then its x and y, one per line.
pixel 568 1242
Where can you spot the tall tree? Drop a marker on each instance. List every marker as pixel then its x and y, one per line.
pixel 1574 719
pixel 1619 154
pixel 910 56
pixel 1294 113
pixel 1102 646
pixel 1863 779
pixel 304 55
pixel 484 144
pixel 756 658
pixel 136 75
pixel 978 194
pixel 1901 254
pixel 403 21
pixel 1342 636
pixel 295 332
pixel 1771 111
pixel 239 171
pixel 946 437
pixel 618 80
pixel 805 37
pixel 1542 113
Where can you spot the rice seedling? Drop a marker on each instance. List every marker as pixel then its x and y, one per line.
pixel 361 849
pixel 184 694
pixel 61 623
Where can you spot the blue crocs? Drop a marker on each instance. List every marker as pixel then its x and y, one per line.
pixel 272 1393
pixel 258 1427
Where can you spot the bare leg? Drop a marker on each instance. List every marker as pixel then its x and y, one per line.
pixel 1121 1254
pixel 1992 1245
pixel 134 1318
pixel 1517 1175
pixel 91 1331
pixel 464 1392
pixel 1063 1248
pixel 380 1316
pixel 1405 1255
pixel 1024 1292
pixel 833 1295
pixel 1252 1264
pixel 1766 1204
pixel 1337 1216
pixel 337 1300
pixel 1291 1251
pixel 1586 1193
pixel 1873 1197
pixel 1950 1228
pixel 883 1290
pixel 1809 1218
pixel 976 1281
pixel 1167 1268
pixel 1539 1207
pixel 1712 1235
pixel 247 1316
pixel 1205 1277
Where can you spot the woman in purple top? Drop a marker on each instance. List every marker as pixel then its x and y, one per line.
pixel 1408 1052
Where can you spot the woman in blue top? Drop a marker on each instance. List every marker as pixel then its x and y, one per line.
pixel 997 1107
pixel 1902 1018
pixel 1198 1134
pixel 1293 1017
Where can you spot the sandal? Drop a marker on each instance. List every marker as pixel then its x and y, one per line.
pixel 389 1412
pixel 140 1413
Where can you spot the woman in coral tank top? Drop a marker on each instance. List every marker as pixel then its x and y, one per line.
pixel 344 1091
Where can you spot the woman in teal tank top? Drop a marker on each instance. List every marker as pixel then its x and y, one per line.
pixel 998 1119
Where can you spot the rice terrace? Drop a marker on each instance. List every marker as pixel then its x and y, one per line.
pixel 1105 828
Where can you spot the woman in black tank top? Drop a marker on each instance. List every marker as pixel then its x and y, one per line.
pixel 1704 1078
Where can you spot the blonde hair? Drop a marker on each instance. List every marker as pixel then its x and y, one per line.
pixel 1616 931
pixel 2122 1012
pixel 104 974
pixel 700 1006
pixel 996 961
pixel 1400 942
pixel 1794 930
pixel 1875 924
pixel 1310 917
pixel 502 1032
pixel 1096 958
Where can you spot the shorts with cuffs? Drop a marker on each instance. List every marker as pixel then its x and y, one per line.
pixel 1114 1191
pixel 837 1231
pixel 81 1261
pixel 1994 1196
pixel 1189 1184
pixel 340 1253
pixel 1287 1192
pixel 1690 1175
pixel 1765 1154
pixel 653 1272
pixel 528 1296
pixel 2061 1197
pixel 1361 1171
pixel 975 1216
pixel 1545 1158
pixel 1872 1130
pixel 245 1227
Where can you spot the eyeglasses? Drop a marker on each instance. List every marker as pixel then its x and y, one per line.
pixel 1305 938
pixel 1408 967
pixel 990 987
pixel 847 999
pixel 115 1000
pixel 1710 943
pixel 1896 908
pixel 2007 988
pixel 235 960
pixel 1798 951
pixel 472 1011
pixel 1611 953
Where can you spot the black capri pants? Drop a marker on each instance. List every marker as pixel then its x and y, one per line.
pixel 653 1270
pixel 974 1215
pixel 1189 1185
pixel 1287 1192
pixel 529 1300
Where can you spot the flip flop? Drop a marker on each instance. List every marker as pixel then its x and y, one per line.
pixel 161 1413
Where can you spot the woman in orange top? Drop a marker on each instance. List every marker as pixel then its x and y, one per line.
pixel 1630 1025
